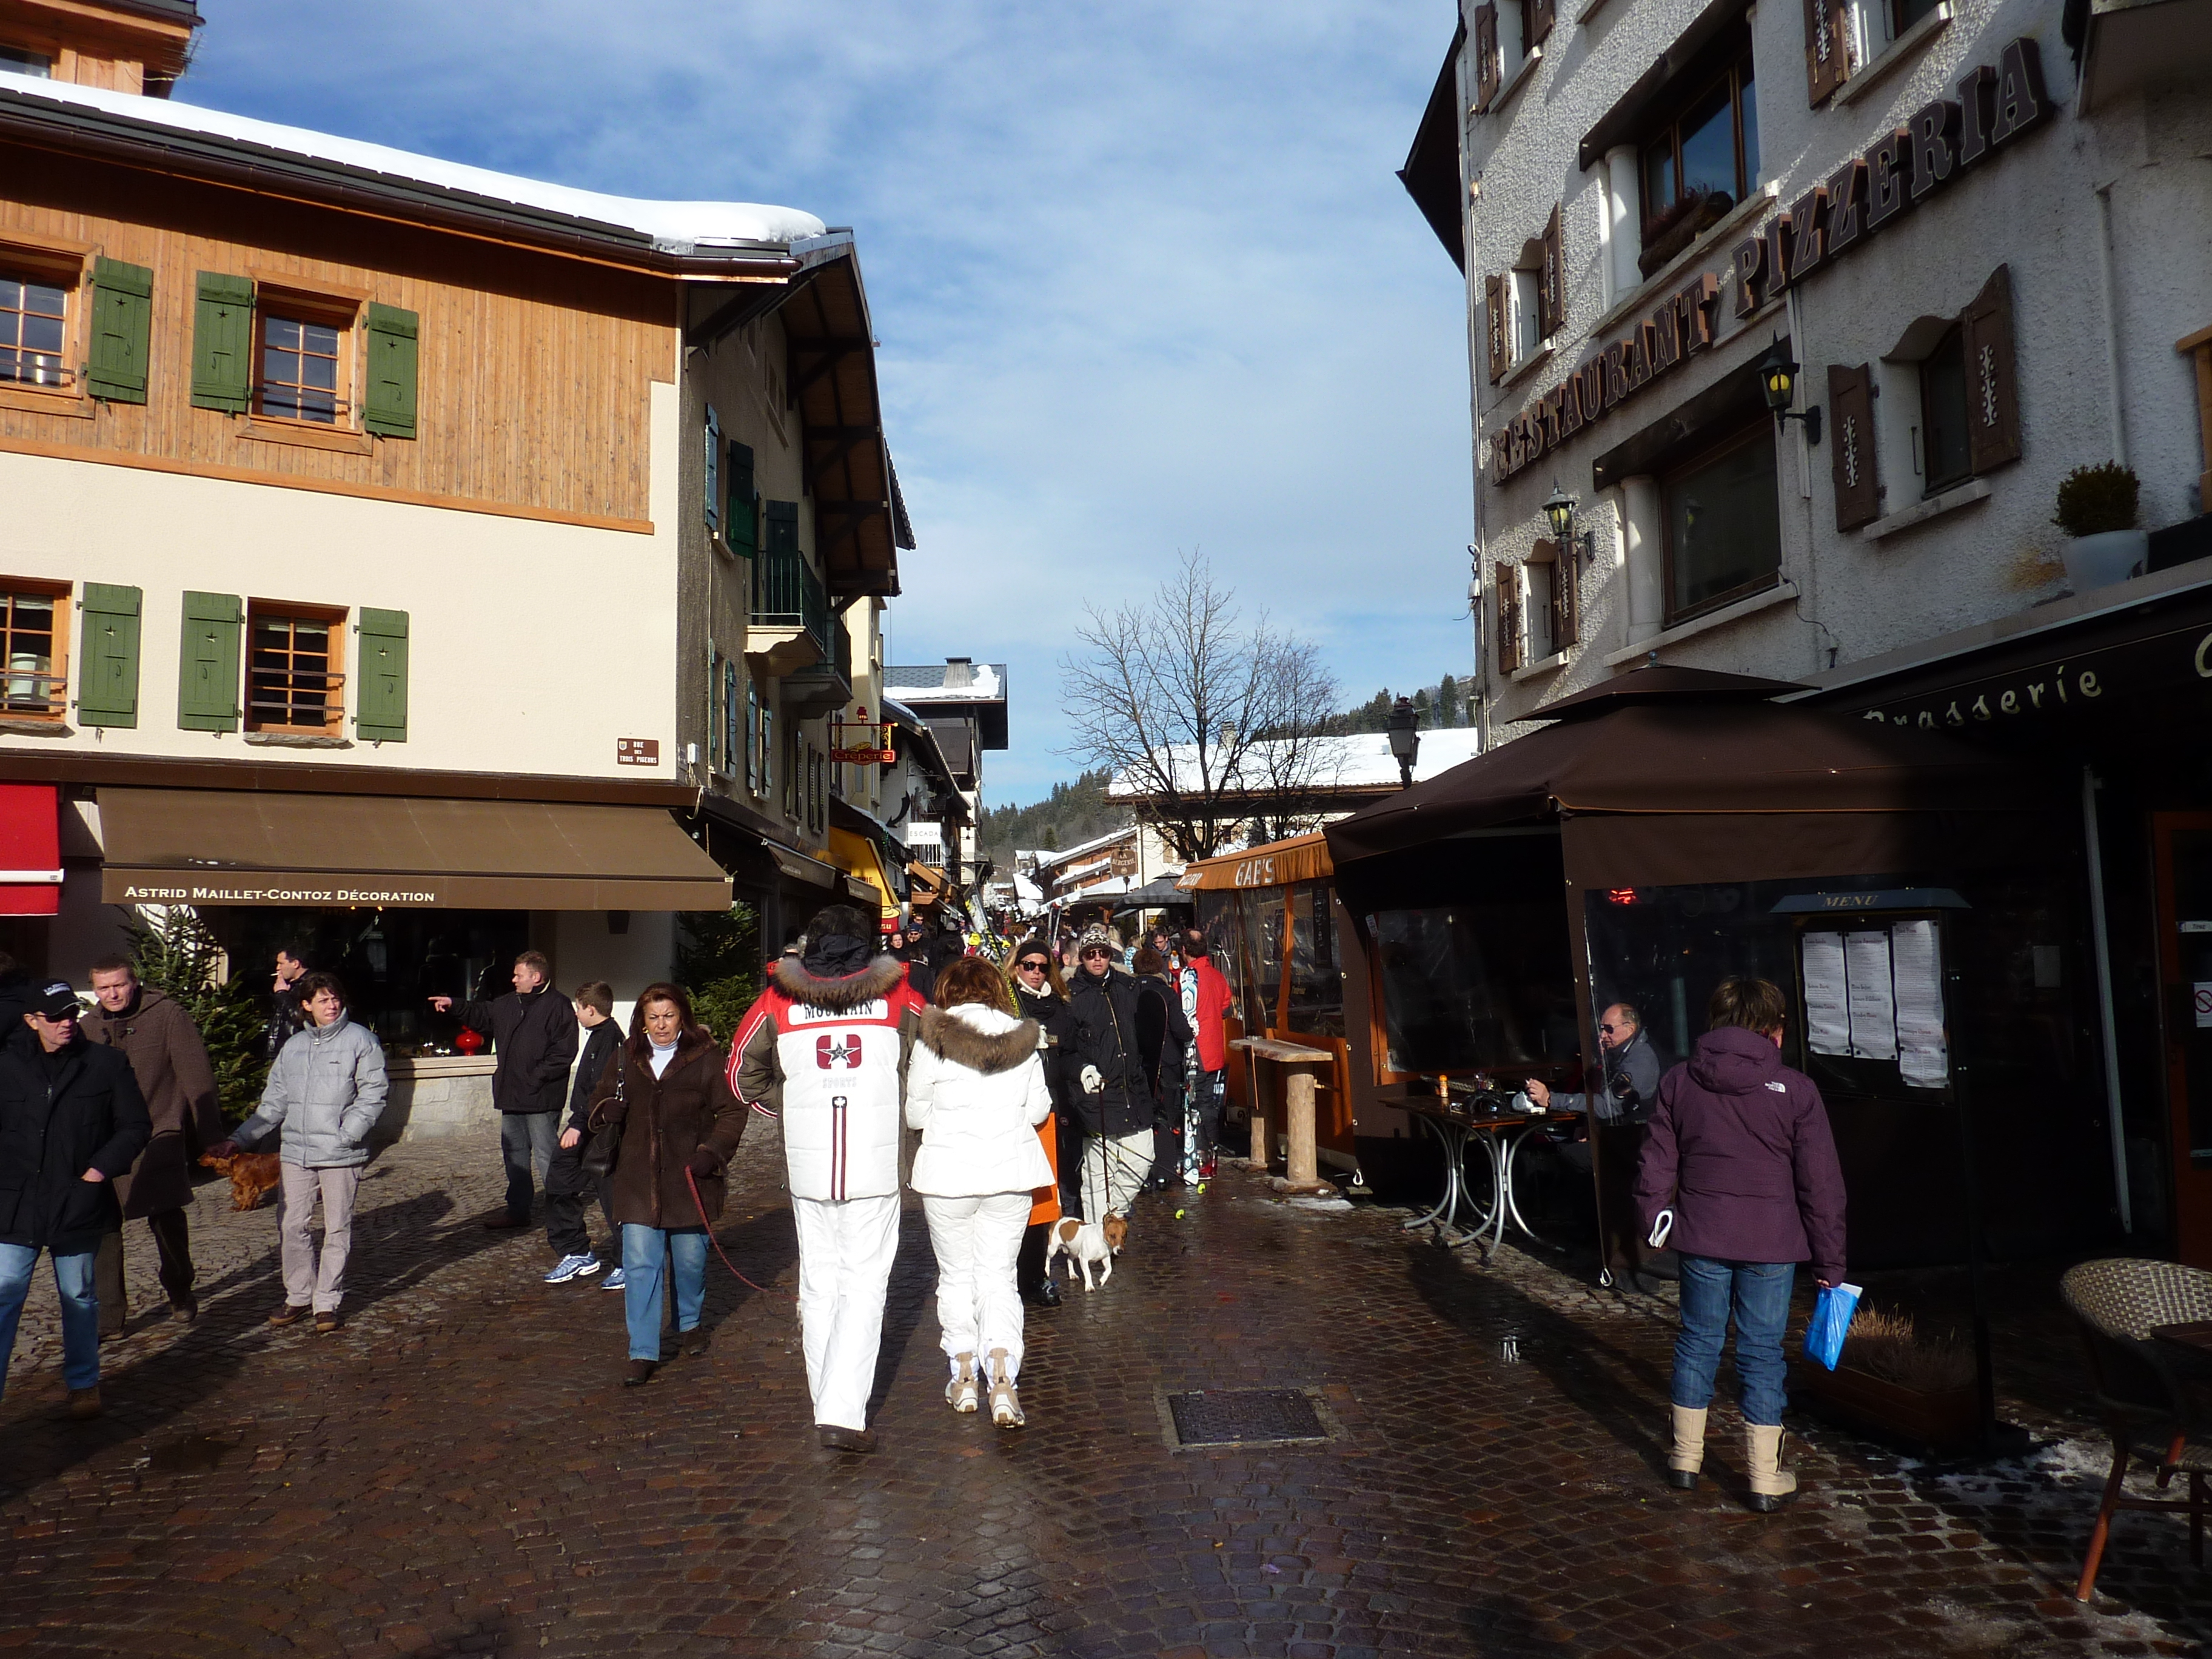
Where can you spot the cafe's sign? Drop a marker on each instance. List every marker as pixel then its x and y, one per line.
pixel 2077 685
pixel 1865 195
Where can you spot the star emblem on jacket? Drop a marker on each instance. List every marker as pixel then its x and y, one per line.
pixel 833 1051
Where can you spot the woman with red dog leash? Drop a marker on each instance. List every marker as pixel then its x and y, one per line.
pixel 667 1095
pixel 975 1089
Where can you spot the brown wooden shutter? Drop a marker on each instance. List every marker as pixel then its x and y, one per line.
pixel 1493 316
pixel 1551 281
pixel 1567 612
pixel 1851 415
pixel 1538 16
pixel 1992 394
pixel 1827 46
pixel 1507 587
pixel 1485 54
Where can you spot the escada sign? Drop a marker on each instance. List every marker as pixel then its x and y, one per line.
pixel 1864 197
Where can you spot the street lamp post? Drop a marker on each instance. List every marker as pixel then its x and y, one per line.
pixel 1559 514
pixel 1405 739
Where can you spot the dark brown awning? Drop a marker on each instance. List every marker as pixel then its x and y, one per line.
pixel 218 846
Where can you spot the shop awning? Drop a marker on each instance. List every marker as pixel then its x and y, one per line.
pixel 799 867
pixel 1275 864
pixel 30 850
pixel 1669 775
pixel 864 869
pixel 214 846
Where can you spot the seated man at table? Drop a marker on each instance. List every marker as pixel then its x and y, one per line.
pixel 1633 1066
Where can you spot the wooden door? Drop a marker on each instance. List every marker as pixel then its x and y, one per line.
pixel 2183 847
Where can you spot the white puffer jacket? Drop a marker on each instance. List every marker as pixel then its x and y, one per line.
pixel 975 1089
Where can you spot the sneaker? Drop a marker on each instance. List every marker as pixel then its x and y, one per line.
pixel 614 1281
pixel 960 1392
pixel 572 1266
pixel 1006 1402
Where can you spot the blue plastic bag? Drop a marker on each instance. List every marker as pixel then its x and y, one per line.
pixel 1830 1324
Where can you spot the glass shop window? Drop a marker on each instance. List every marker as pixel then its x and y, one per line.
pixel 1724 526
pixel 1316 974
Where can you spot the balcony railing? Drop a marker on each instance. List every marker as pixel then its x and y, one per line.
pixel 787 595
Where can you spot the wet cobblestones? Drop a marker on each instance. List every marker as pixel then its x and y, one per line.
pixel 457 1471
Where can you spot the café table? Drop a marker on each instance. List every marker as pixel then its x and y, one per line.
pixel 1501 1136
pixel 2190 1347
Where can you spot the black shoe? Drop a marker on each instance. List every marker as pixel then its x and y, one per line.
pixel 640 1372
pixel 836 1438
pixel 186 1308
pixel 499 1223
pixel 694 1342
pixel 1765 1503
pixel 1682 1479
pixel 1045 1294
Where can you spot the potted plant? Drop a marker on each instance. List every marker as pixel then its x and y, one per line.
pixel 2097 508
pixel 1895 1385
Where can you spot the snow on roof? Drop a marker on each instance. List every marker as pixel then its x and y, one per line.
pixel 674 225
pixel 1082 869
pixel 1054 861
pixel 986 684
pixel 1361 760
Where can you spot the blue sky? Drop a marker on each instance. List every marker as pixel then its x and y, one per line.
pixel 1143 276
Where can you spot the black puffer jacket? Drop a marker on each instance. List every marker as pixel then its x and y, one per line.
pixel 1044 1007
pixel 1099 1028
pixel 61 1115
pixel 599 1045
pixel 534 1040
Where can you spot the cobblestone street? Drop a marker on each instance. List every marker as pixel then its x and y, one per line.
pixel 458 1471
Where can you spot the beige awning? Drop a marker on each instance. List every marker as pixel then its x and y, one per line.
pixel 219 846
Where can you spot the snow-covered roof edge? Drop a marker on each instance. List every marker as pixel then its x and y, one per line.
pixel 671 227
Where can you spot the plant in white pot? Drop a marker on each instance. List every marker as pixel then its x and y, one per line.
pixel 2097 508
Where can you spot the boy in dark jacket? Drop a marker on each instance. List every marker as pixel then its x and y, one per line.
pixel 565 1183
pixel 71 1121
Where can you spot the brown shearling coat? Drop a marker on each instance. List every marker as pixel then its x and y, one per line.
pixel 664 1121
pixel 170 1062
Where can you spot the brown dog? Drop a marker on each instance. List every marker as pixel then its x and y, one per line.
pixel 253 1176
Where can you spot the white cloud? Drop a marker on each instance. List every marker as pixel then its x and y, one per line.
pixel 1144 278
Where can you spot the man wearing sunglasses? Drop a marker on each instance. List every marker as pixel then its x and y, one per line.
pixel 1102 1078
pixel 1633 1066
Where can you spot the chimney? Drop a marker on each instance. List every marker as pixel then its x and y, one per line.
pixel 959 671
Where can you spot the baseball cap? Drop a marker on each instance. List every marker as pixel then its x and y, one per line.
pixel 56 1001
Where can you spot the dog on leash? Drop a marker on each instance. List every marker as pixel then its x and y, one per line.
pixel 1085 1243
pixel 253 1176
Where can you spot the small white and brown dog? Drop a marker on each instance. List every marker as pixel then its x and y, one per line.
pixel 1087 1243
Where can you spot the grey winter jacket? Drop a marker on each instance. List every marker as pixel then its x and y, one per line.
pixel 326 1091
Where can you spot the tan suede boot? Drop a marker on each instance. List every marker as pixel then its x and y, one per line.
pixel 1771 1484
pixel 1688 1456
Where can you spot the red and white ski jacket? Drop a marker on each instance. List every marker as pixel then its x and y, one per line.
pixel 824 1056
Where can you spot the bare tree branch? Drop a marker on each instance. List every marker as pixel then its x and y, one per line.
pixel 1211 724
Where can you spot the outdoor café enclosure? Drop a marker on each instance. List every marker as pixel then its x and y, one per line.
pixel 1916 899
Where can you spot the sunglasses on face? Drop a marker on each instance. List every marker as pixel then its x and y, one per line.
pixel 1033 966
pixel 1097 953
pixel 1613 1030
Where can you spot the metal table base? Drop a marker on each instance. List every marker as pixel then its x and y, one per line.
pixel 1501 1146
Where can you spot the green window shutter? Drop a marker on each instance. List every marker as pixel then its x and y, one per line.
pixel 223 343
pixel 394 338
pixel 207 663
pixel 122 326
pixel 107 656
pixel 783 528
pixel 741 528
pixel 380 710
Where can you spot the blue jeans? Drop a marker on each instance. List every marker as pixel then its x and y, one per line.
pixel 527 1141
pixel 73 1278
pixel 1758 1293
pixel 643 1251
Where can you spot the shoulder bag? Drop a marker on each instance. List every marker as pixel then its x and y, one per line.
pixel 605 1144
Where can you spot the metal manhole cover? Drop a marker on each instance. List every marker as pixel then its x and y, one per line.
pixel 1220 1418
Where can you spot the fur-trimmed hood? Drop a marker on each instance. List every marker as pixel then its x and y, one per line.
pixel 837 996
pixel 982 1039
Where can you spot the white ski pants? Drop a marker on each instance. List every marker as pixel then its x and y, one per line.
pixel 844 1252
pixel 978 1306
pixel 1114 1171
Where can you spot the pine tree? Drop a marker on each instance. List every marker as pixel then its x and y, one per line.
pixel 1448 702
pixel 717 959
pixel 180 959
pixel 1422 709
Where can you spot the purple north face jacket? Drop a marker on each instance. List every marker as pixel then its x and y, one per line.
pixel 1739 1145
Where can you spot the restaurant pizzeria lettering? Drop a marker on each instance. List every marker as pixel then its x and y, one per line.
pixel 1865 195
